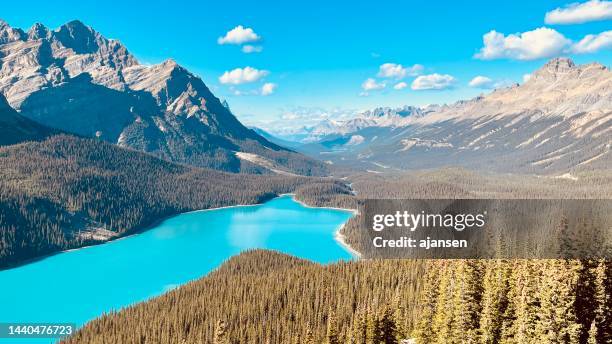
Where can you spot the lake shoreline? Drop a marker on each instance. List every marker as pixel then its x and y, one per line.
pixel 126 235
pixel 337 235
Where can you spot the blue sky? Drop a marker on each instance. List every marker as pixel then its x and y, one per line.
pixel 319 54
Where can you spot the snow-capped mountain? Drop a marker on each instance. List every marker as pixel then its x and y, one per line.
pixel 378 117
pixel 75 79
pixel 560 119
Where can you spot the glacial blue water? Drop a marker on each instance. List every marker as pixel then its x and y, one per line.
pixel 78 285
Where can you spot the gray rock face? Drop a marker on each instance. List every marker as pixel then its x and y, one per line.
pixel 15 128
pixel 75 79
pixel 559 120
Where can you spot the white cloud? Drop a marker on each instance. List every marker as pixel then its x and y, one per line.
pixel 433 82
pixel 371 85
pixel 482 82
pixel 415 70
pixel 580 13
pixel 268 88
pixel 593 43
pixel 397 71
pixel 526 77
pixel 248 49
pixel 239 35
pixel 242 76
pixel 400 85
pixel 539 43
pixel 391 70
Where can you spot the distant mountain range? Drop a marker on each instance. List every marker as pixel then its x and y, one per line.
pixel 76 80
pixel 559 120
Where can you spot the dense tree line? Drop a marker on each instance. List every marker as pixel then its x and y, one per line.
pixel 516 301
pixel 58 193
pixel 458 183
pixel 267 297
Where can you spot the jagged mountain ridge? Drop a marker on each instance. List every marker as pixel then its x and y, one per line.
pixel 559 120
pixel 75 79
pixel 378 117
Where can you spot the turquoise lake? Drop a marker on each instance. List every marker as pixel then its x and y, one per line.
pixel 78 285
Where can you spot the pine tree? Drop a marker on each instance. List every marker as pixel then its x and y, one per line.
pixel 558 322
pixel 443 318
pixel 424 331
pixel 221 333
pixel 592 334
pixel 333 336
pixel 359 333
pixel 399 317
pixel 388 327
pixel 602 300
pixel 309 335
pixel 466 301
pixel 494 301
pixel 374 328
pixel 526 305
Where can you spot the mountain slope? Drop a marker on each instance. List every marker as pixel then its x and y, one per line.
pixel 559 120
pixel 15 128
pixel 67 192
pixel 276 140
pixel 74 79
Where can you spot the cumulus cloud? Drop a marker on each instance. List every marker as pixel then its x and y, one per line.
pixel 268 88
pixel 415 70
pixel 575 13
pixel 239 35
pixel 400 85
pixel 539 43
pixel 593 43
pixel 391 70
pixel 433 82
pixel 397 71
pixel 242 76
pixel 372 85
pixel 482 82
pixel 248 49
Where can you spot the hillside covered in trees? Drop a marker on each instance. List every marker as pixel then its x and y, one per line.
pixel 67 192
pixel 264 296
pixel 267 297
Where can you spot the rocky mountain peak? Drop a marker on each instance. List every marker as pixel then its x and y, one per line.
pixel 38 31
pixel 556 68
pixel 9 34
pixel 79 37
pixel 560 63
pixel 170 63
pixel 75 79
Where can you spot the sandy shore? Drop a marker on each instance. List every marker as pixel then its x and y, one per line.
pixel 341 239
